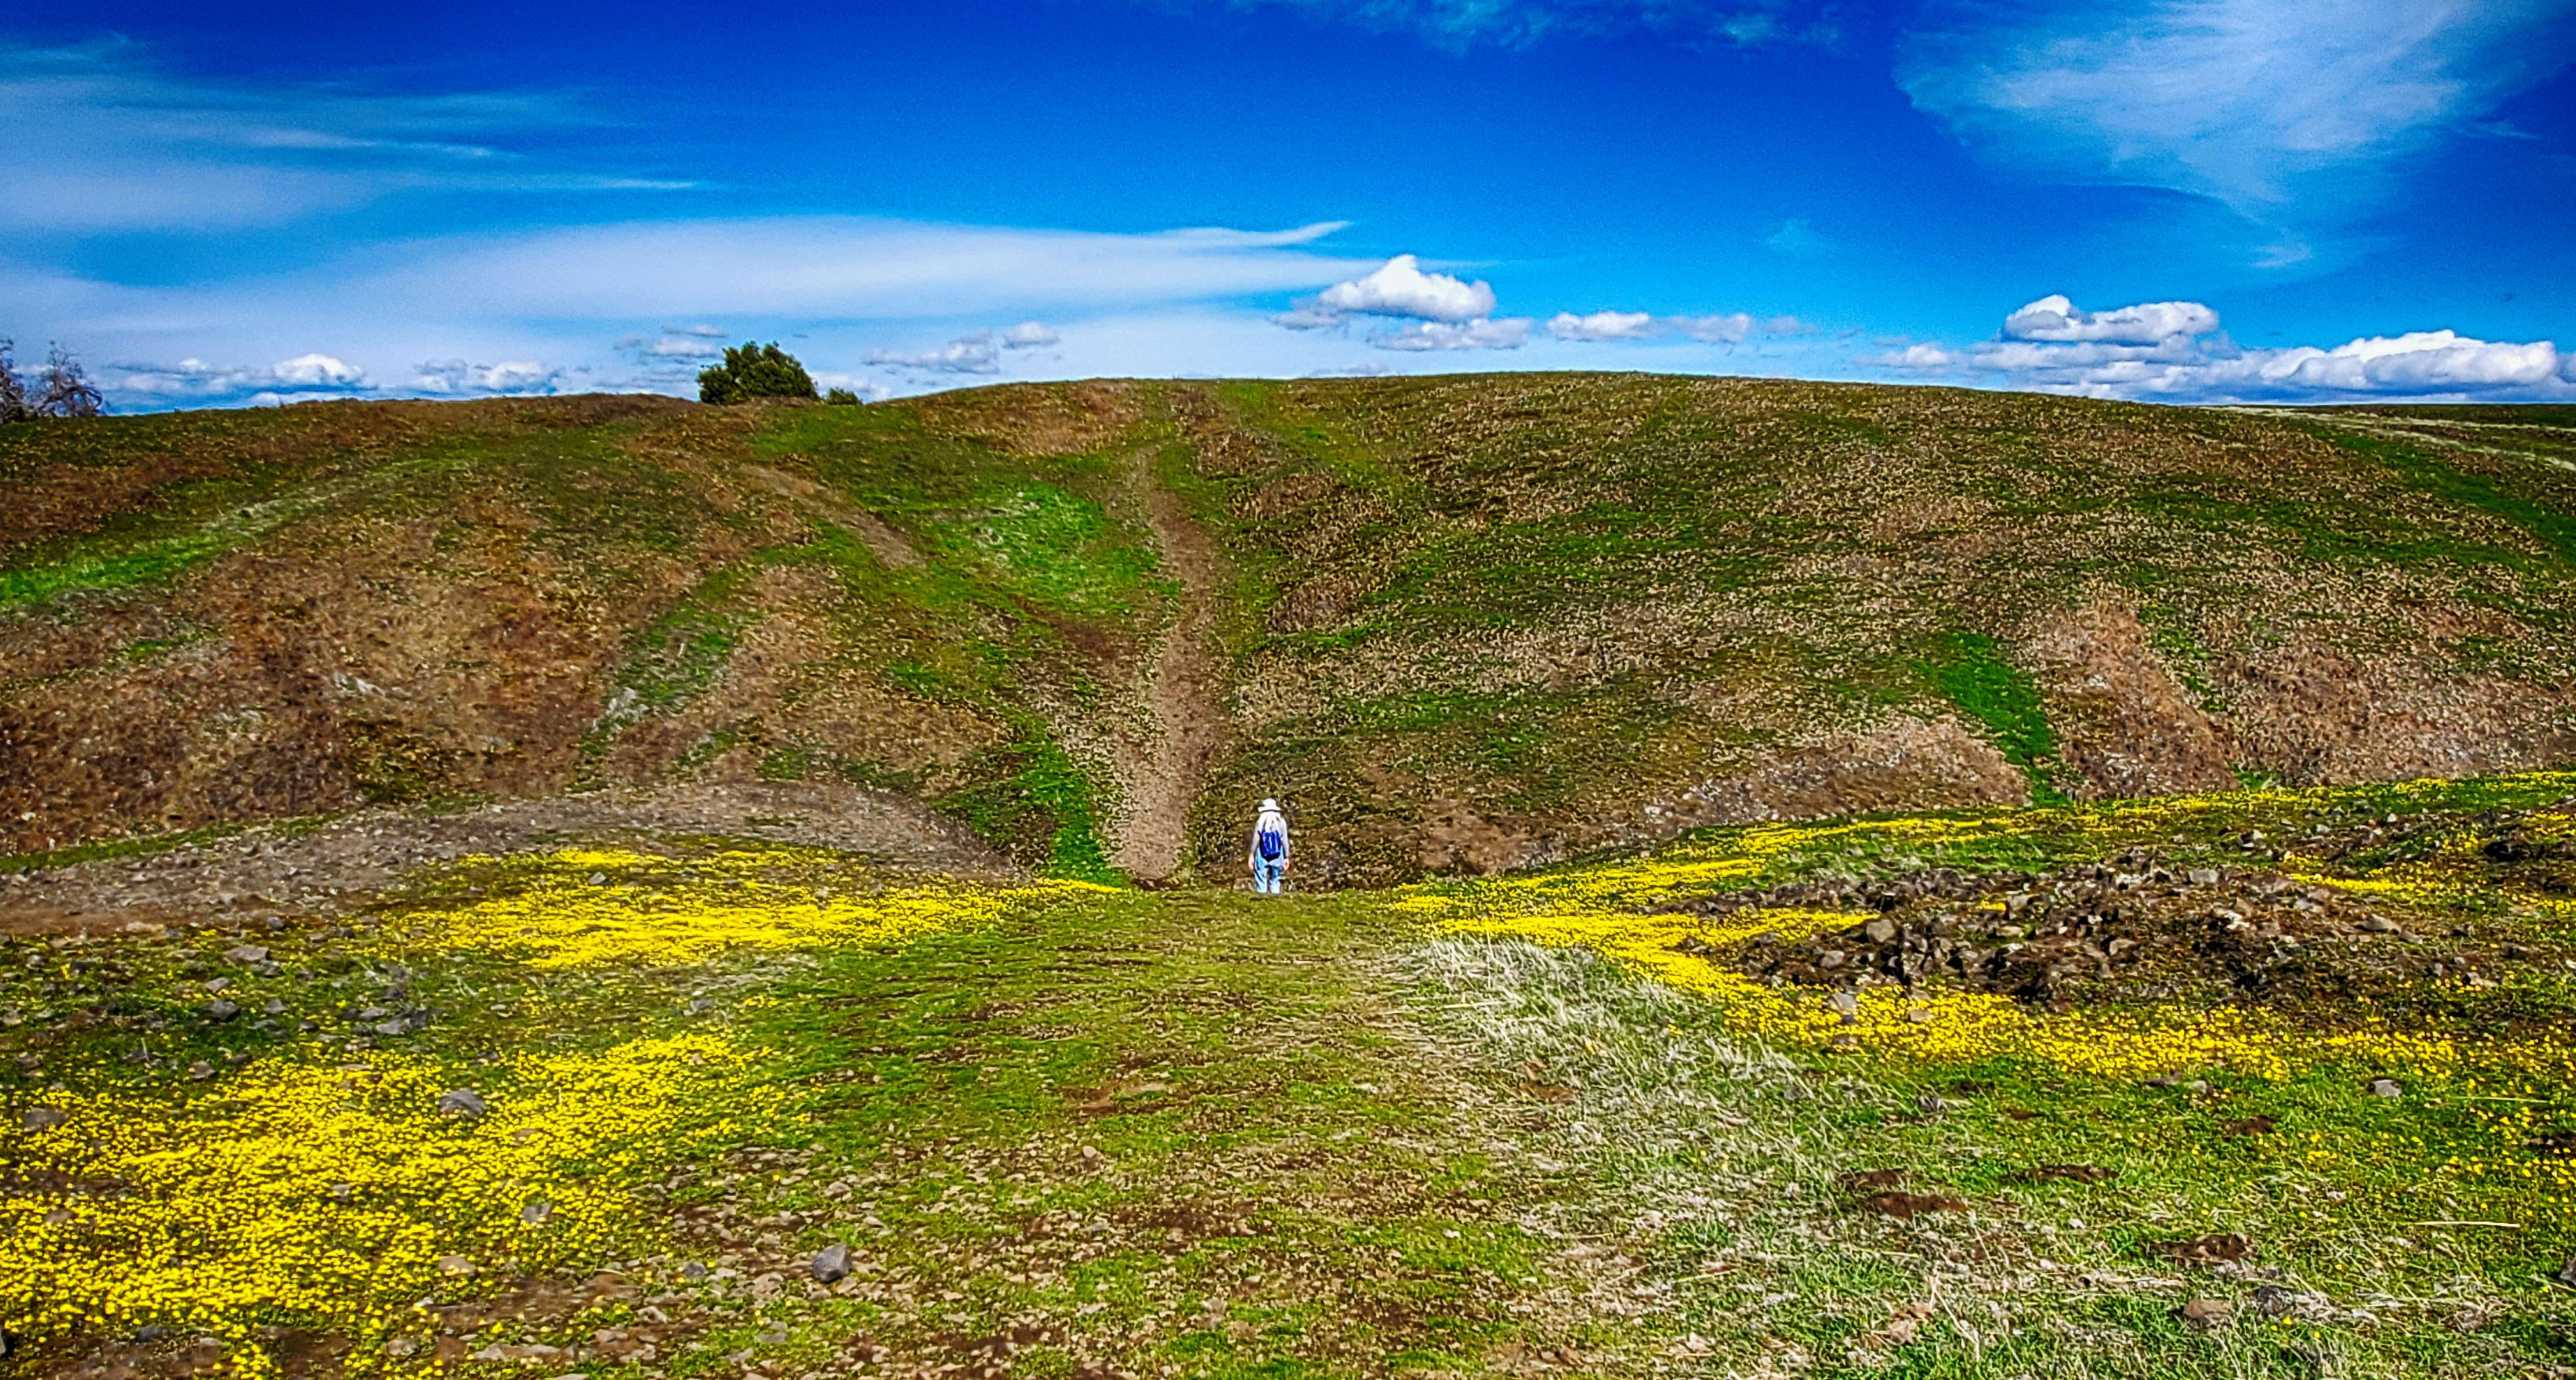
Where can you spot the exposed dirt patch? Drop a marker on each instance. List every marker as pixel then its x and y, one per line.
pixel 342 865
pixel 1184 695
pixel 1041 420
pixel 1904 763
pixel 2318 714
pixel 2124 725
pixel 890 546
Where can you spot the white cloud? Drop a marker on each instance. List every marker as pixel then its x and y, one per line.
pixel 683 347
pixel 1604 325
pixel 1926 358
pixel 455 377
pixel 2285 110
pixel 1397 287
pixel 194 380
pixel 1029 335
pixel 2174 351
pixel 2055 318
pixel 702 331
pixel 1510 333
pixel 1727 329
pixel 972 353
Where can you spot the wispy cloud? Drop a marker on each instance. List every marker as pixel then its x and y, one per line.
pixel 1726 328
pixel 1508 333
pixel 1797 239
pixel 1456 25
pixel 106 139
pixel 2288 111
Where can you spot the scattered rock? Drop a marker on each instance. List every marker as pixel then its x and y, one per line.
pixel 246 954
pixel 2207 1313
pixel 832 1264
pixel 221 1010
pixel 463 1102
pixel 2273 1301
pixel 2386 1087
pixel 454 1265
pixel 200 1071
pixel 536 1212
pixel 42 1118
pixel 1844 1004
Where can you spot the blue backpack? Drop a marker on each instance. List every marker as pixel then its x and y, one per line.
pixel 1271 843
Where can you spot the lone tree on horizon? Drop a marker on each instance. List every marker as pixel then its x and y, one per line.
pixel 754 371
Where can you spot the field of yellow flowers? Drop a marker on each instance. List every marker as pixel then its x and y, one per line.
pixel 608 1109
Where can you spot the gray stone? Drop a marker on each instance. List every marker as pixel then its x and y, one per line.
pixel 246 954
pixel 536 1212
pixel 43 1118
pixel 200 1071
pixel 2203 876
pixel 464 1102
pixel 832 1264
pixel 1879 931
pixel 222 1010
pixel 1844 1004
pixel 2386 1087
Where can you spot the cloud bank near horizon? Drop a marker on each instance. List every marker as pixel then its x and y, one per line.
pixel 2177 352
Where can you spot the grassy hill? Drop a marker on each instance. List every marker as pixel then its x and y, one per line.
pixel 681 1017
pixel 1459 624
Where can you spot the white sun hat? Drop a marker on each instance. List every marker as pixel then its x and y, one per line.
pixel 1269 804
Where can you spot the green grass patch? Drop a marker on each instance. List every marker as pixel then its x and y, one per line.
pixel 1973 675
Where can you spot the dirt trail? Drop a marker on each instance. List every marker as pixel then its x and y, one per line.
pixel 1183 696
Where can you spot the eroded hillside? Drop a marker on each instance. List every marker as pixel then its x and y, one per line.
pixel 1459 624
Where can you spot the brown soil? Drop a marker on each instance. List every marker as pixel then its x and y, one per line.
pixel 1903 763
pixel 280 870
pixel 1184 695
pixel 2125 726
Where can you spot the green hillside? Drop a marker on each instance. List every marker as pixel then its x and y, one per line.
pixel 1893 883
pixel 1459 624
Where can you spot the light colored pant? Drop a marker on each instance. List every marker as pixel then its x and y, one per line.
pixel 1267 875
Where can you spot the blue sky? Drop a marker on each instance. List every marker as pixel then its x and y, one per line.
pixel 2192 200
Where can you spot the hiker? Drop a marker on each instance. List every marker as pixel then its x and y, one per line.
pixel 1268 860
